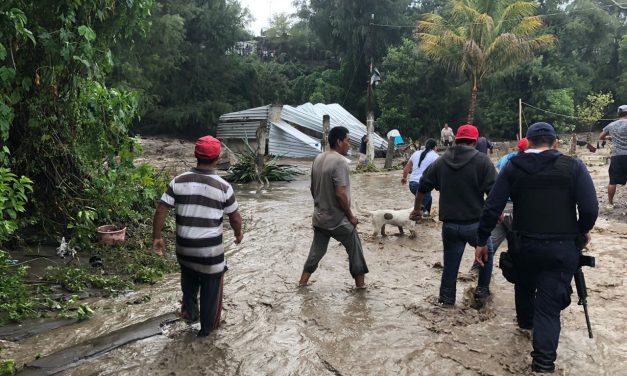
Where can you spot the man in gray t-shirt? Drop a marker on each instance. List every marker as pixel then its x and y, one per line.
pixel 617 132
pixel 332 217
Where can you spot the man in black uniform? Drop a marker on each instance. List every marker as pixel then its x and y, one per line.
pixel 548 189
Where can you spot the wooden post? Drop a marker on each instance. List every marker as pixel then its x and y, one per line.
pixel 326 125
pixel 389 156
pixel 370 130
pixel 573 145
pixel 262 136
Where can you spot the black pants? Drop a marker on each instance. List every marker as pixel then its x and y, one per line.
pixel 210 286
pixel 545 270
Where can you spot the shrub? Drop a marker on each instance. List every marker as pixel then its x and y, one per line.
pixel 246 170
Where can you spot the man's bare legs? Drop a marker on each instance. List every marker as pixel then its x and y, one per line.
pixel 611 191
pixel 304 278
pixel 359 281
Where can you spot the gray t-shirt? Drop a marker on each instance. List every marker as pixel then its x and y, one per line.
pixel 329 170
pixel 618 131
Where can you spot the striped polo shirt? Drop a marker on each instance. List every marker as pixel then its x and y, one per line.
pixel 201 198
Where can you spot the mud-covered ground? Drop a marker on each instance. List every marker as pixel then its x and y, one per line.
pixel 328 328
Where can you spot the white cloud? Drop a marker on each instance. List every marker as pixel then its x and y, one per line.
pixel 261 10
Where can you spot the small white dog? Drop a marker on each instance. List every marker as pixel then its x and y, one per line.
pixel 398 218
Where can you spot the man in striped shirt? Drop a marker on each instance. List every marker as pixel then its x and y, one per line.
pixel 200 198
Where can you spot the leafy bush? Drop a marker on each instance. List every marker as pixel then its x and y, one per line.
pixel 12 200
pixel 246 170
pixel 15 303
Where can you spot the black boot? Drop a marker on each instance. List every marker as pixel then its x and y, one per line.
pixel 482 293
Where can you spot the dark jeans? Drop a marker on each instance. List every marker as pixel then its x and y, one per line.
pixel 210 286
pixel 345 234
pixel 454 238
pixel 545 270
pixel 426 201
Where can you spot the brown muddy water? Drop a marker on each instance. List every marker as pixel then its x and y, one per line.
pixel 328 328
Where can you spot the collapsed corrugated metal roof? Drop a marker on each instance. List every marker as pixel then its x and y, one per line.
pixel 310 116
pixel 257 113
pixel 287 137
pixel 285 140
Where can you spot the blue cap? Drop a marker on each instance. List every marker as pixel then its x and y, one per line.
pixel 541 129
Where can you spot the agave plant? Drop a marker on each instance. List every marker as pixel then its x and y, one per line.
pixel 246 169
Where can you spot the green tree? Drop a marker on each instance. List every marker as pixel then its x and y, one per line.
pixel 350 32
pixel 593 109
pixel 65 128
pixel 416 98
pixel 481 37
pixel 621 82
pixel 280 25
pixel 182 68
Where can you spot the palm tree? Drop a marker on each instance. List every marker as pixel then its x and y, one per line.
pixel 481 37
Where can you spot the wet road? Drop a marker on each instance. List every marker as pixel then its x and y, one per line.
pixel 393 328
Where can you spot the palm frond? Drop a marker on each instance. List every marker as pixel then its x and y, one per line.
pixel 246 169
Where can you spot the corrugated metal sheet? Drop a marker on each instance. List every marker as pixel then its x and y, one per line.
pixel 238 130
pixel 257 113
pixel 310 116
pixel 287 141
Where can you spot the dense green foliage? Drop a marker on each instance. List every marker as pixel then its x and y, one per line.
pixel 64 131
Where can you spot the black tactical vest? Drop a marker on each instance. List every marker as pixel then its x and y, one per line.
pixel 544 203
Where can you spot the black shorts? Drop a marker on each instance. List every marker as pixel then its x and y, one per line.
pixel 618 170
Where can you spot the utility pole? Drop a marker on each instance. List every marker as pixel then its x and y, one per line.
pixel 520 118
pixel 369 110
pixel 326 125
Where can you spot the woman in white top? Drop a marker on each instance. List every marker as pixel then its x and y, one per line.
pixel 417 164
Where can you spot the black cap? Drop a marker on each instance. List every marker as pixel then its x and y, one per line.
pixel 541 129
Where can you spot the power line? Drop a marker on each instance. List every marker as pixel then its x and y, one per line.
pixel 558 114
pixel 363 51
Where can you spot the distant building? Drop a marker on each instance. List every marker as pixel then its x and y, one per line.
pixel 244 48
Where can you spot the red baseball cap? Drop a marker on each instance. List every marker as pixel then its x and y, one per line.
pixel 467 131
pixel 523 144
pixel 207 148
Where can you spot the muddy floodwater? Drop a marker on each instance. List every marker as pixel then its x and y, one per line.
pixel 394 327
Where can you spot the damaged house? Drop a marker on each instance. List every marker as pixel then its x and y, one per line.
pixel 294 132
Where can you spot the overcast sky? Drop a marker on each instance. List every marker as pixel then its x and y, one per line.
pixel 261 10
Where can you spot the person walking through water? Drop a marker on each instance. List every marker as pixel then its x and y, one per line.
pixel 616 132
pixel 504 224
pixel 463 176
pixel 484 145
pixel 332 216
pixel 417 164
pixel 554 208
pixel 446 136
pixel 200 198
